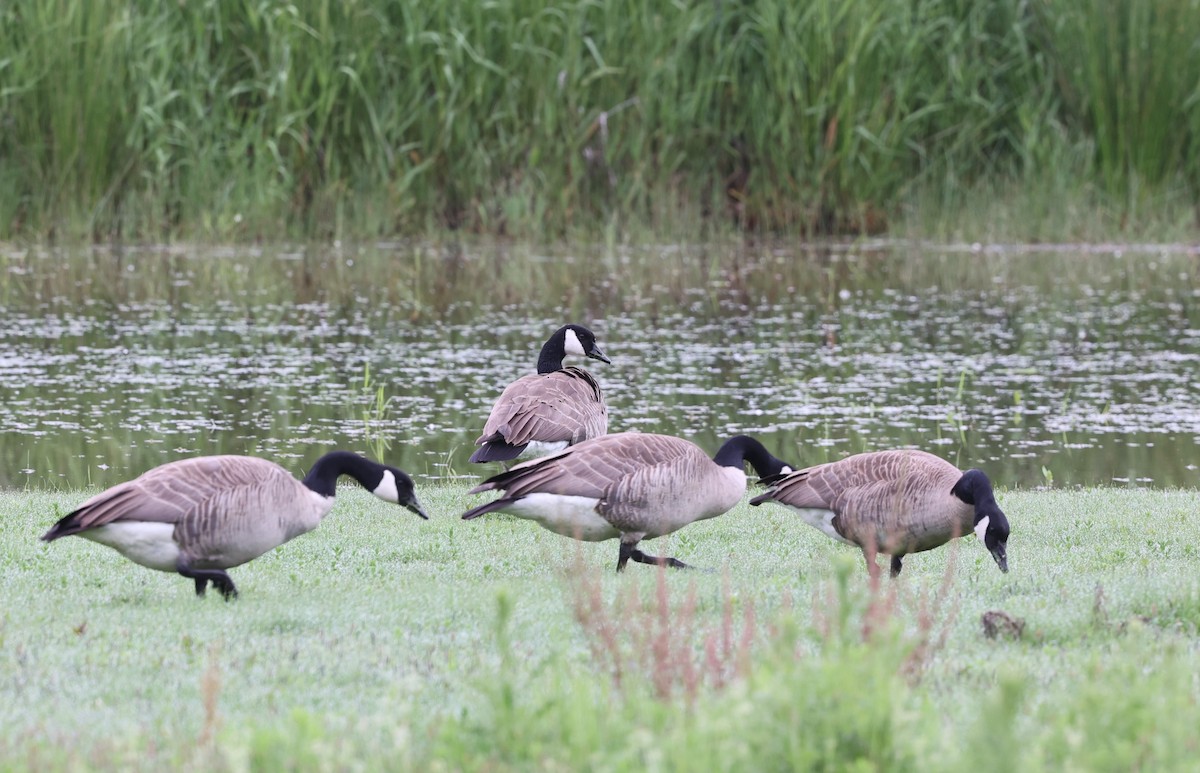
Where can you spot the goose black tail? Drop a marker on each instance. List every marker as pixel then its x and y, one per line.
pixel 490 507
pixel 65 527
pixel 496 451
pixel 770 480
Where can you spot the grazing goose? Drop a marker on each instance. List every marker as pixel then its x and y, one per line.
pixel 895 503
pixel 629 485
pixel 201 516
pixel 550 410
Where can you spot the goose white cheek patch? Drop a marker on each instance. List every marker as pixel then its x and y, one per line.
pixel 573 346
pixel 387 488
pixel 981 528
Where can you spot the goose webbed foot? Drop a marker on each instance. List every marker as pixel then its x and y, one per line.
pixel 674 563
pixel 897 565
pixel 202 577
pixel 629 551
pixel 225 586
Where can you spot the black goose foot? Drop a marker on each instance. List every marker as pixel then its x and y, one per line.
pixel 674 563
pixel 631 551
pixel 896 565
pixel 225 586
pixel 217 577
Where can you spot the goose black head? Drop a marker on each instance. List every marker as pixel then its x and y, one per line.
pixel 387 483
pixel 569 339
pixel 991 525
pixel 396 486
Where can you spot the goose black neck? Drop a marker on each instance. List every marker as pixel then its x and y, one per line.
pixel 322 478
pixel 975 488
pixel 553 351
pixel 740 449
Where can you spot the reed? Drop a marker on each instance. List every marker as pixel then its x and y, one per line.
pixel 1128 76
pixel 319 119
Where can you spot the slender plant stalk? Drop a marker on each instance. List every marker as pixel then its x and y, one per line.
pixel 323 119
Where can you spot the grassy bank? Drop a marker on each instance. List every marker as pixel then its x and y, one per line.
pixel 450 282
pixel 383 641
pixel 255 120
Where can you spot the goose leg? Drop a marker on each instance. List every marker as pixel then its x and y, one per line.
pixel 896 564
pixel 674 563
pixel 629 550
pixel 217 577
pixel 869 553
pixel 626 552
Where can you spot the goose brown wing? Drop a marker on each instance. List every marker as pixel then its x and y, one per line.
pixel 872 480
pixel 594 467
pixel 565 405
pixel 169 493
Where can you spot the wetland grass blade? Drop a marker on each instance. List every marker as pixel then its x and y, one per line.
pixel 612 119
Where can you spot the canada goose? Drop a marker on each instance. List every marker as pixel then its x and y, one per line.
pixel 895 503
pixel 550 410
pixel 201 516
pixel 629 485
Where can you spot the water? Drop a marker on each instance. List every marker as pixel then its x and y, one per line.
pixel 1063 368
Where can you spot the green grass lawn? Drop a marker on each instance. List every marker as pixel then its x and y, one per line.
pixel 381 641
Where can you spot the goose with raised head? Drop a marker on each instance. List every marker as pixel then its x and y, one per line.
pixel 547 411
pixel 895 503
pixel 628 485
pixel 201 516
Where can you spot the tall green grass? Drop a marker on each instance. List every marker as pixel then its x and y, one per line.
pixel 263 119
pixel 1128 74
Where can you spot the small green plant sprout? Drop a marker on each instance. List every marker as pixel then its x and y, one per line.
pixel 1048 475
pixel 448 470
pixel 959 423
pixel 1018 417
pixel 376 407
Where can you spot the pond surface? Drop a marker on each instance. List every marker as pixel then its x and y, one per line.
pixel 1056 368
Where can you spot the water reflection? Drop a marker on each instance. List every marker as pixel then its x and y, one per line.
pixel 1032 378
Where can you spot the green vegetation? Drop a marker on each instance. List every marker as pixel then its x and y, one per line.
pixel 209 120
pixel 412 282
pixel 381 642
